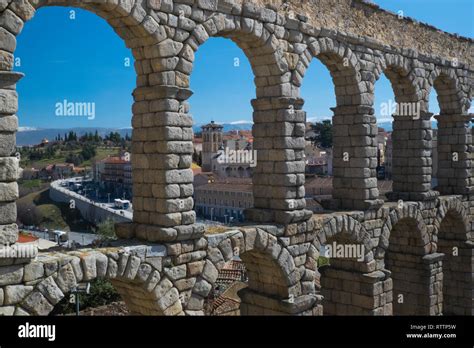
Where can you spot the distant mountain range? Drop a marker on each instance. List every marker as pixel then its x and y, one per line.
pixel 32 136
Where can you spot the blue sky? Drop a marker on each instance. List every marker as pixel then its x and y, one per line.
pixel 83 60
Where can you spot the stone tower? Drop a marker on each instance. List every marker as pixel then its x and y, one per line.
pixel 212 136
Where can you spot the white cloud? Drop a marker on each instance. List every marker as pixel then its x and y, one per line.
pixel 384 119
pixel 241 122
pixel 26 129
pixel 318 119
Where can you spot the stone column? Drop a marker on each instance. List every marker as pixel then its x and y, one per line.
pixel 412 163
pixel 279 177
pixel 458 277
pixel 417 283
pixel 432 299
pixel 455 155
pixel 355 158
pixel 9 168
pixel 162 175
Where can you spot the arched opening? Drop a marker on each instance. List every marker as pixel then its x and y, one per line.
pixel 74 116
pixel 348 278
pixel 457 265
pixel 86 100
pixel 53 278
pixel 251 273
pixel 320 98
pixel 451 157
pixel 447 92
pixel 435 155
pixel 409 272
pixel 410 141
pixel 385 106
pixel 241 284
pixel 220 135
pixel 354 184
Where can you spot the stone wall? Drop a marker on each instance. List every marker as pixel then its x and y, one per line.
pixel 404 277
pixel 366 19
pixel 90 211
pixel 281 253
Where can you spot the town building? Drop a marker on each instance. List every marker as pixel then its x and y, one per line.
pixel 224 200
pixel 212 139
pixel 114 174
pixel 317 160
pixel 228 156
pixel 57 171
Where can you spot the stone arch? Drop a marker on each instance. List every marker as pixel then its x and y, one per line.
pixel 343 66
pixel 354 125
pixel 351 286
pixel 398 69
pixel 410 214
pixel 411 260
pixel 451 98
pixel 452 208
pixel 412 134
pixel 454 134
pixel 130 20
pixel 345 226
pixel 145 290
pixel 260 46
pixel 273 278
pixel 454 241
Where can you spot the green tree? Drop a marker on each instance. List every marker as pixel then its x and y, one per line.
pixel 106 230
pixel 323 132
pixel 88 151
pixel 74 159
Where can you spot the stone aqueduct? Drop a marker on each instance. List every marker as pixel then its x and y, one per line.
pixel 164 262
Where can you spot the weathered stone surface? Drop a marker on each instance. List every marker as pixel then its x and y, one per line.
pixel 89 266
pixel 101 264
pixel 144 272
pixel 7 310
pixel 9 169
pixel 37 304
pixel 66 279
pixel 162 288
pixel 50 290
pixel 210 272
pixel 8 234
pixel 11 275
pixel 20 312
pixel 8 192
pixel 11 22
pixel 7 213
pixel 8 102
pixel 16 293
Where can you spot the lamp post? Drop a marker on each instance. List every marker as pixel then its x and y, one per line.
pixel 81 288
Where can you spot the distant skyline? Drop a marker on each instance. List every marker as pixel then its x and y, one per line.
pixel 83 60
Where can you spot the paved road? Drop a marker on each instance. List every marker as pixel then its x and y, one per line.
pixel 78 237
pixel 57 185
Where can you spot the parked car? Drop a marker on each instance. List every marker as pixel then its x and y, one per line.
pixel 58 236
